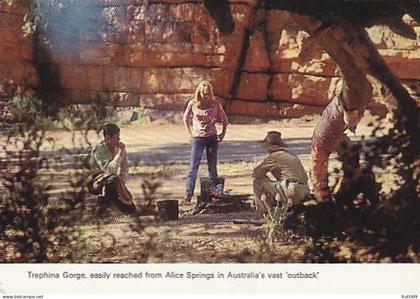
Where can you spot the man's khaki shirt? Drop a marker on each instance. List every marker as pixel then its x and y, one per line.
pixel 283 166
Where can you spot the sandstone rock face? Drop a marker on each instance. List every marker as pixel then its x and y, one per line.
pixel 154 53
pixel 16 59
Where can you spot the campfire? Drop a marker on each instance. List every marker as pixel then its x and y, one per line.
pixel 214 200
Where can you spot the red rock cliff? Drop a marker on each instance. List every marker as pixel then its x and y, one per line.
pixel 153 54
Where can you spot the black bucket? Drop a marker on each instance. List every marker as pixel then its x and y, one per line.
pixel 167 210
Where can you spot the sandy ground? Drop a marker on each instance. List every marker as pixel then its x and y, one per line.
pixel 151 145
pixel 199 238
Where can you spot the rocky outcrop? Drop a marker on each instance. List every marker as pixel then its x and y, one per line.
pixel 16 60
pixel 154 53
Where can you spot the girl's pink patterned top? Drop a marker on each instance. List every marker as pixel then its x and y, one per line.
pixel 204 120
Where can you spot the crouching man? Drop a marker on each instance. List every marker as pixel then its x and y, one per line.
pixel 290 184
pixel 110 170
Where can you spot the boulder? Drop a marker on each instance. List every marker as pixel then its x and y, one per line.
pixel 257 58
pixel 253 87
pixel 307 89
pixel 279 88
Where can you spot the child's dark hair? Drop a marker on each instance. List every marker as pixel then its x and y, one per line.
pixel 110 129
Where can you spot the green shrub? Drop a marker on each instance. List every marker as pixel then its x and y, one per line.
pixel 35 224
pixel 26 109
pixel 140 116
pixel 32 111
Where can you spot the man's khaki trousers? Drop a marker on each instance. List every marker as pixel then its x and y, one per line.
pixel 282 192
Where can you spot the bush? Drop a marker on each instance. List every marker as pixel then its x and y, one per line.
pixel 31 111
pixel 140 116
pixel 34 225
pixel 26 109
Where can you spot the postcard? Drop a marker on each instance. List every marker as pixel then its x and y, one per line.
pixel 209 147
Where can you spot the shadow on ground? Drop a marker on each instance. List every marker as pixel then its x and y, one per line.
pixel 229 151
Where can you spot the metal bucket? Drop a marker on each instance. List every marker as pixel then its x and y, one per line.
pixel 167 210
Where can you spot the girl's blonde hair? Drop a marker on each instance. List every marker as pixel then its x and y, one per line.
pixel 199 90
